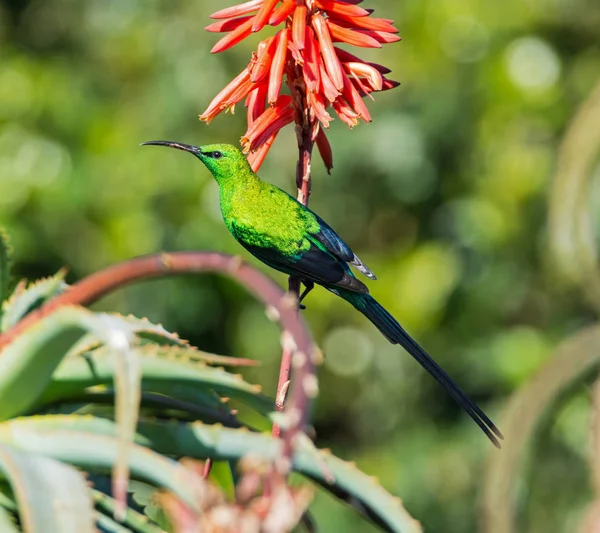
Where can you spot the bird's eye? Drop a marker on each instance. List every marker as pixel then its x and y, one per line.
pixel 217 155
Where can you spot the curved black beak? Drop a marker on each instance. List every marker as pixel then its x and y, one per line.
pixel 180 146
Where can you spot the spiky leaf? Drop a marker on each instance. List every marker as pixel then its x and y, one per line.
pixel 200 441
pixel 27 363
pixel 162 372
pixel 7 525
pixel 343 479
pixel 23 301
pixel 52 497
pixel 131 519
pixel 91 443
pixel 141 327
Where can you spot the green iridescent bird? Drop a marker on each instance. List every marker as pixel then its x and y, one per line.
pixel 289 237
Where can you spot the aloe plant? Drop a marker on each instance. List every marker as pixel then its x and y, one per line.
pixel 112 423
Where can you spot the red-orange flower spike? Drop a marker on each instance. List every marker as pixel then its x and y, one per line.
pixel 256 103
pixel 343 110
pixel 227 25
pixel 282 12
pixel 234 37
pixel 353 37
pixel 325 150
pixel 329 90
pixel 277 66
pixel 334 7
pixel 319 75
pixel 312 60
pixel 389 84
pixel 330 59
pixel 276 113
pixel 264 57
pixel 359 68
pixel 281 119
pixel 351 96
pixel 363 90
pixel 257 157
pixel 299 27
pixel 367 23
pixel 318 108
pixel 381 36
pixel 264 13
pixel 219 101
pixel 236 11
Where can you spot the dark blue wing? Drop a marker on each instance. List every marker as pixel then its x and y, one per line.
pixel 314 264
pixel 332 241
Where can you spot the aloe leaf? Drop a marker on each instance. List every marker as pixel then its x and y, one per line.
pixel 169 351
pixel 155 333
pixel 27 363
pixel 143 502
pixel 108 525
pixel 7 525
pixel 52 497
pixel 98 451
pixel 8 509
pixel 192 354
pixel 100 404
pixel 145 329
pixel 200 441
pixel 23 301
pixel 131 519
pixel 5 264
pixel 340 478
pixel 143 495
pixel 158 515
pixel 6 496
pixel 575 358
pixel 160 374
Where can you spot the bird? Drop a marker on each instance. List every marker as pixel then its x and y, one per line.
pixel 287 236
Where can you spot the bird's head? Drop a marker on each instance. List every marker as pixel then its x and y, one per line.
pixel 223 160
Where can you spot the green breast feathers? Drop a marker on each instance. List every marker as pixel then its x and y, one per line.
pixel 261 215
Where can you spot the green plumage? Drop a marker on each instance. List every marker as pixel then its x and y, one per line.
pixel 289 237
pixel 259 214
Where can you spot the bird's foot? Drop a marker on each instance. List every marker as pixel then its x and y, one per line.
pixel 309 287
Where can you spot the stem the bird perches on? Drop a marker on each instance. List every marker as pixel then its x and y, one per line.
pixel 306 130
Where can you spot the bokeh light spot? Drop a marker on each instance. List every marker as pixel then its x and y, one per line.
pixel 532 64
pixel 519 352
pixel 348 351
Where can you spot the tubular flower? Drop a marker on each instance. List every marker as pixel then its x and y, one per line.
pixel 319 74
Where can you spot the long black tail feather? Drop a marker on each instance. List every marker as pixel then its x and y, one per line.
pixel 396 334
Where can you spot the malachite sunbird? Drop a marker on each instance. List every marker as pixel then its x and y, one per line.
pixel 287 236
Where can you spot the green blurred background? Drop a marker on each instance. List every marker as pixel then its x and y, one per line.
pixel 443 195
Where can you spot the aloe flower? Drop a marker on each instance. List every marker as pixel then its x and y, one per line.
pixel 320 76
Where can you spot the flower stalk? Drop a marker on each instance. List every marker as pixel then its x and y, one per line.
pixel 319 77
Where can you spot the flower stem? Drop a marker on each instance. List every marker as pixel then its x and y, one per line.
pixel 306 132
